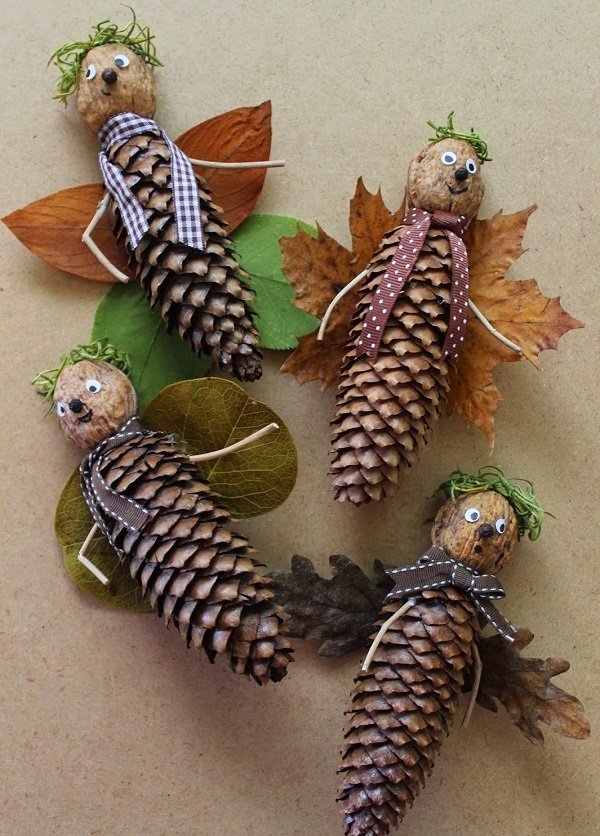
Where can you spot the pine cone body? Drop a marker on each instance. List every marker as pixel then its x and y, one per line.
pixel 401 709
pixel 196 573
pixel 385 407
pixel 203 294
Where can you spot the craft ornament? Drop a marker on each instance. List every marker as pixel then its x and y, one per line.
pixel 164 213
pixel 414 673
pixel 163 520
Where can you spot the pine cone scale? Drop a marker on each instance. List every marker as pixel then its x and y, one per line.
pixel 170 272
pixel 195 572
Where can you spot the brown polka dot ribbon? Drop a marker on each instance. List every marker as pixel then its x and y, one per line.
pixel 436 569
pixel 398 272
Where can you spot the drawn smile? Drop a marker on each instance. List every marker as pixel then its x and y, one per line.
pixel 104 92
pixel 457 191
pixel 85 419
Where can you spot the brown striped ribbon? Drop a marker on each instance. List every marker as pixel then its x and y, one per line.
pixel 102 500
pixel 398 272
pixel 436 569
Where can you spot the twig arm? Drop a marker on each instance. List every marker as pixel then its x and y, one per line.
pixel 336 300
pixel 489 327
pixel 88 563
pixel 91 244
pixel 252 164
pixel 476 684
pixel 383 630
pixel 215 454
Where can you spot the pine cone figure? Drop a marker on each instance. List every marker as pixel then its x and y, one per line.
pixel 203 294
pixel 196 573
pixel 385 407
pixel 401 709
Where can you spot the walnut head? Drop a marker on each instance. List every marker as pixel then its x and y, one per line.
pixel 479 529
pixel 92 400
pixel 446 175
pixel 114 80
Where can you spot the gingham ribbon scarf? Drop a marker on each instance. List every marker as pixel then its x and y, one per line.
pixel 102 500
pixel 403 261
pixel 122 127
pixel 436 569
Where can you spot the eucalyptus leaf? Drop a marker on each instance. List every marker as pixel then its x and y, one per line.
pixel 72 524
pixel 279 322
pixel 157 358
pixel 212 413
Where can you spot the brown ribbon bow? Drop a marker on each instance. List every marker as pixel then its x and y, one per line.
pixel 102 500
pixel 395 277
pixel 436 569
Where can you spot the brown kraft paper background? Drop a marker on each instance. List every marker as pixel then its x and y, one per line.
pixel 109 725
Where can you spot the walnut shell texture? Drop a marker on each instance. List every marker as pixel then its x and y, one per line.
pixel 105 88
pixel 92 400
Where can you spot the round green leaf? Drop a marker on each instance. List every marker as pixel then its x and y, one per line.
pixel 211 413
pixel 72 523
pixel 279 322
pixel 157 358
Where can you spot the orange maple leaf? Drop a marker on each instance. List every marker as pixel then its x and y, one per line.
pixel 319 267
pixel 52 227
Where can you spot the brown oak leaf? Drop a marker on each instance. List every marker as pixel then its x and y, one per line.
pixel 339 611
pixel 52 227
pixel 523 686
pixel 319 267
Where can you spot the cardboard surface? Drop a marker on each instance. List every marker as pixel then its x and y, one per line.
pixel 109 725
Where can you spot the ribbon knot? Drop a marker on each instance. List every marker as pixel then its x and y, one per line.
pixel 122 127
pixel 418 223
pixel 436 569
pixel 102 500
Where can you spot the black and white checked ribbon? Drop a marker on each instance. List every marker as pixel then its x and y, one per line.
pixel 435 569
pixel 122 127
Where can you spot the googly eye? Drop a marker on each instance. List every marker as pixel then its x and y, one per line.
pixel 61 409
pixel 90 73
pixel 93 386
pixel 500 526
pixel 121 60
pixel 448 157
pixel 472 515
pixel 471 166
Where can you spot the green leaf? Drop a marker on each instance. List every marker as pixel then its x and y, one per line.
pixel 212 413
pixel 157 358
pixel 279 322
pixel 72 523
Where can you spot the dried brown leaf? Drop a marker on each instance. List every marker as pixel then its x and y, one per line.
pixel 318 268
pixel 516 308
pixel 523 687
pixel 52 227
pixel 369 220
pixel 339 611
pixel 243 134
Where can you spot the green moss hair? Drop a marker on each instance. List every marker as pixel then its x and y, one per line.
pixel 45 382
pixel 69 57
pixel 526 505
pixel 447 131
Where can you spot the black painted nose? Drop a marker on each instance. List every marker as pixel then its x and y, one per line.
pixel 485 530
pixel 460 173
pixel 75 405
pixel 109 75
